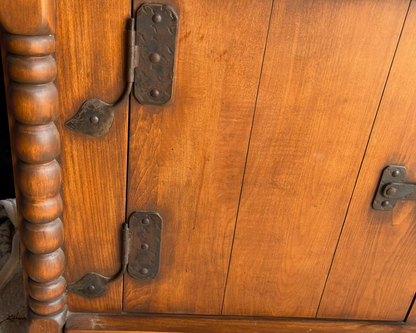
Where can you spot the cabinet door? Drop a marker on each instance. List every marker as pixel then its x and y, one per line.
pixel 186 158
pixel 324 71
pixel 373 275
pixel 89 54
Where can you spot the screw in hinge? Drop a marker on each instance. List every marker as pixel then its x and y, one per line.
pixel 396 173
pixel 385 203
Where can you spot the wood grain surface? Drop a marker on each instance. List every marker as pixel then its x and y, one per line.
pixel 192 324
pixel 373 276
pixel 90 50
pixel 186 159
pixel 325 68
pixel 411 317
pixel 30 18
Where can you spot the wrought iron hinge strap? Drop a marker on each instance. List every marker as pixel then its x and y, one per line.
pixel 150 61
pixel 95 285
pixel 95 117
pixel 141 239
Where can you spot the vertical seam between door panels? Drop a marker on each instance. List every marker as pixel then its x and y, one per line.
pixel 412 304
pixel 248 148
pixel 362 159
pixel 127 167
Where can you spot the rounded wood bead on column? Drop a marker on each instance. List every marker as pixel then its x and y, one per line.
pixel 41 211
pixel 44 267
pixel 46 291
pixel 42 238
pixel 29 45
pixel 36 144
pixel 39 181
pixel 34 70
pixel 47 308
pixel 33 102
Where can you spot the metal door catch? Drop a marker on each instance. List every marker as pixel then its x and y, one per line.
pixel 392 187
pixel 141 239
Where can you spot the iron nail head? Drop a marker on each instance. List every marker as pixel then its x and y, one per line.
pixel 94 119
pixel 385 203
pixel 154 93
pixel 145 246
pixel 144 271
pixel 157 18
pixel 154 57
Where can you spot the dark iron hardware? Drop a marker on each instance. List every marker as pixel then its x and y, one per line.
pixel 146 230
pixel 95 117
pixel 140 255
pixel 95 285
pixel 157 26
pixel 149 65
pixel 392 187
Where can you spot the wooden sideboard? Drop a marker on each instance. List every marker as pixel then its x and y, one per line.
pixel 259 175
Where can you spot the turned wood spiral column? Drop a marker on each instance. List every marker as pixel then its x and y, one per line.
pixel 30 69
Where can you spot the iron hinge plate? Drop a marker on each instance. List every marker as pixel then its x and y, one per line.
pixel 146 232
pixel 149 66
pixel 156 30
pixel 140 255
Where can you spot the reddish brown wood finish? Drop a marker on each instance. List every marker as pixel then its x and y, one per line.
pixel 91 54
pixel 373 276
pixel 30 70
pixel 198 324
pixel 186 158
pixel 325 67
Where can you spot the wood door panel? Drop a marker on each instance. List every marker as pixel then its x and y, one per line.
pixel 374 274
pixel 90 55
pixel 186 159
pixel 325 67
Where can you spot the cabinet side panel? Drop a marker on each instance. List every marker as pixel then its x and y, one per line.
pixel 186 159
pixel 374 273
pixel 91 54
pixel 325 68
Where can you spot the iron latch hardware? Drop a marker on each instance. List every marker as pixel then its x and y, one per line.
pixel 141 239
pixel 392 187
pixel 149 65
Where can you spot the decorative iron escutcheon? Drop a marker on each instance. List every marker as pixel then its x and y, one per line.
pixel 392 187
pixel 156 29
pixel 146 232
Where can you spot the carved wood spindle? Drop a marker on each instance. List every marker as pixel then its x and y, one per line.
pixel 33 102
